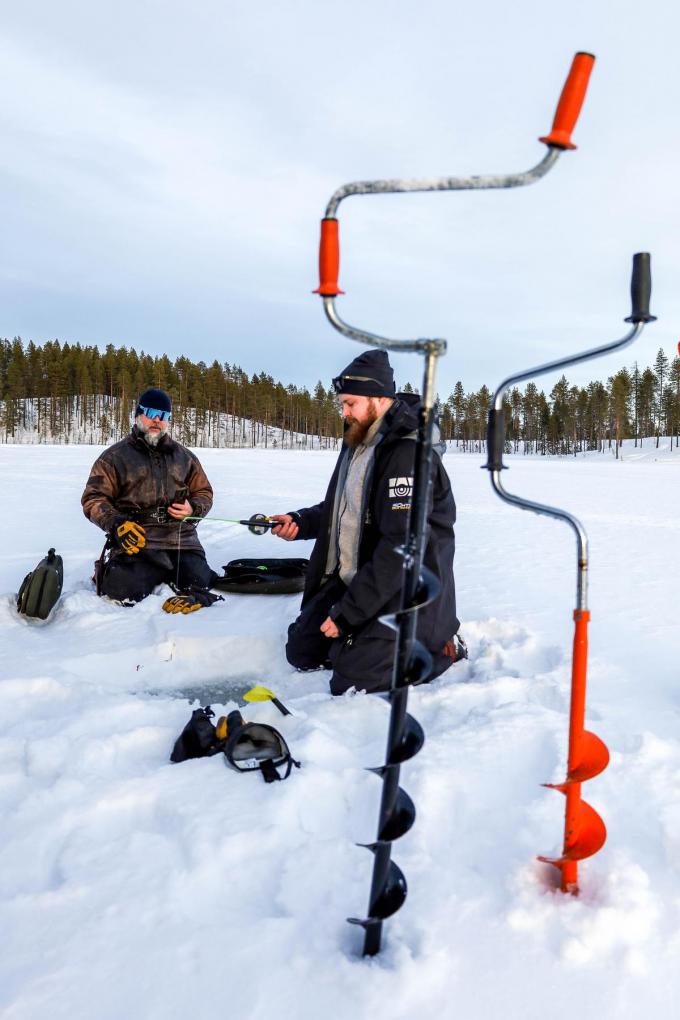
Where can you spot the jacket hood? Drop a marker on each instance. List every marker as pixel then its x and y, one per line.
pixel 401 421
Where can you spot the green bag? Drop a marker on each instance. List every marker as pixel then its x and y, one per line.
pixel 40 590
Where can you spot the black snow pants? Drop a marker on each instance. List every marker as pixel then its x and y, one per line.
pixel 363 660
pixel 132 578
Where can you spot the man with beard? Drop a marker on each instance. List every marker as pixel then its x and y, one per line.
pixel 356 569
pixel 139 491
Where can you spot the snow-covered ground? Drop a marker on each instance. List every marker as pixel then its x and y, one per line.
pixel 133 888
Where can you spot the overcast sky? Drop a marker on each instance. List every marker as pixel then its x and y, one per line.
pixel 164 167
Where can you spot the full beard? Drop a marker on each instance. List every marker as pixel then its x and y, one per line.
pixel 356 431
pixel 151 438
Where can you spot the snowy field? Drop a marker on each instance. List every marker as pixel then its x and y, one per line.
pixel 133 888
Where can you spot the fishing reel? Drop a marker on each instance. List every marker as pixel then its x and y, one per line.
pixel 259 524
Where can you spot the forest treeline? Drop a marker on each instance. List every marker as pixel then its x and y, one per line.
pixel 68 393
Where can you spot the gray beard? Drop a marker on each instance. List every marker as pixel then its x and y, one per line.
pixel 151 438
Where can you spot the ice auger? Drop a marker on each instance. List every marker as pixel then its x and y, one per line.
pixel 412 662
pixel 584 830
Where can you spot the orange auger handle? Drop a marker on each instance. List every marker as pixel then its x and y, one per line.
pixel 571 101
pixel 329 258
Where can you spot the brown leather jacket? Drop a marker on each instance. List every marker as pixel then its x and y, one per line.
pixel 132 480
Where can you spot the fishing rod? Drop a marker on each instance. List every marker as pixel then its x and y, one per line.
pixel 258 524
pixel 413 662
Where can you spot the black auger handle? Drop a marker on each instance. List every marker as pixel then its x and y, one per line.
pixel 641 288
pixel 495 440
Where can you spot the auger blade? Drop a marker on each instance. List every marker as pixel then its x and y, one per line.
pixel 390 620
pixel 428 588
pixel 588 836
pixel 392 895
pixel 365 922
pixel 400 820
pixel 594 759
pixel 419 666
pixel 412 739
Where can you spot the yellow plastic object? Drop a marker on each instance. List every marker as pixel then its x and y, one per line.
pixel 259 694
pixel 264 694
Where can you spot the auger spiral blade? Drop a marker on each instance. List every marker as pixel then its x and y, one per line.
pixel 593 760
pixel 389 899
pixel 587 835
pixel 400 819
pixel 409 743
pixel 418 667
pixel 428 588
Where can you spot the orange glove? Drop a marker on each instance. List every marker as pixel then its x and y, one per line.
pixel 181 604
pixel 130 537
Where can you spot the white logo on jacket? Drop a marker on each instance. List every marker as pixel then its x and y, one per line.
pixel 401 488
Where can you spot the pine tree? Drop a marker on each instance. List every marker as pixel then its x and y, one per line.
pixel 661 373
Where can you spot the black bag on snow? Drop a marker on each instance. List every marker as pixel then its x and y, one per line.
pixel 198 739
pixel 247 747
pixel 100 566
pixel 40 590
pixel 263 576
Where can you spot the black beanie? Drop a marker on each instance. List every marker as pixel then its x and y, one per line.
pixel 369 375
pixel 157 399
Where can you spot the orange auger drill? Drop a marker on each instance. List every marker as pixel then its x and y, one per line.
pixel 584 830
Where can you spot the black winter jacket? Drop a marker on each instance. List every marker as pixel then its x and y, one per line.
pixel 376 587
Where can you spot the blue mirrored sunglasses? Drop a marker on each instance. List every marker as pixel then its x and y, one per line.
pixel 153 412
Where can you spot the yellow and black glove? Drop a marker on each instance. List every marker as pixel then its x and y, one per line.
pixel 182 604
pixel 190 600
pixel 130 537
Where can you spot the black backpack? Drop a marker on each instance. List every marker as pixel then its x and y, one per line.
pixel 247 746
pixel 40 590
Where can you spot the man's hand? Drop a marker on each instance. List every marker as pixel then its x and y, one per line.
pixel 180 510
pixel 329 629
pixel 286 528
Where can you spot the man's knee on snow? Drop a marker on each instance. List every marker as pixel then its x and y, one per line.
pixel 125 581
pixel 374 685
pixel 304 657
pixel 194 570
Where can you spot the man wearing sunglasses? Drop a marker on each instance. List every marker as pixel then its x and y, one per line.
pixel 139 492
pixel 355 571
